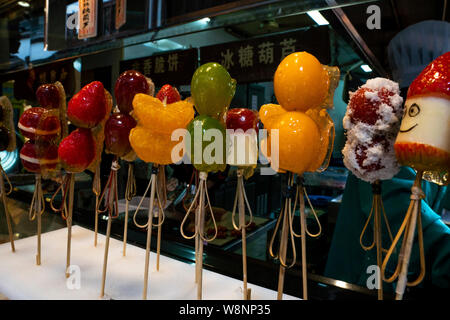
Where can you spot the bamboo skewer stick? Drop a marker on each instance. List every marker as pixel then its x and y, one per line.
pixel 105 256
pixel 37 207
pixel 161 191
pixel 200 227
pixel 416 211
pixel 412 217
pixel 38 216
pixel 130 192
pixel 199 234
pixel 377 211
pixel 111 208
pixel 241 200
pixel 69 220
pixel 152 186
pixel 285 219
pixel 303 241
pixel 96 188
pixel 378 243
pixel 283 249
pixel 149 233
pixel 5 205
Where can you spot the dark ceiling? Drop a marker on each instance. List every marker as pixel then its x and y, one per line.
pixel 396 15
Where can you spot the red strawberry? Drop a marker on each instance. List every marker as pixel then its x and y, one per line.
pixel 361 153
pixel 77 150
pixel 38 123
pixel 366 110
pixel 127 86
pixel 37 158
pixel 88 107
pixel 434 79
pixel 169 94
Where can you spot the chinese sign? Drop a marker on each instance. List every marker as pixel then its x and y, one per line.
pixel 174 68
pixel 121 13
pixel 257 59
pixel 87 19
pixel 27 81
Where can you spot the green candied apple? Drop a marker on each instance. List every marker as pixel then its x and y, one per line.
pixel 207 144
pixel 212 89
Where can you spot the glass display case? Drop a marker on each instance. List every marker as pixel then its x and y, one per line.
pixel 167 41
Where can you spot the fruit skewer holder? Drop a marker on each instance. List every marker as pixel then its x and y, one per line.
pixel 412 218
pixel 201 199
pixel 376 211
pixel 297 192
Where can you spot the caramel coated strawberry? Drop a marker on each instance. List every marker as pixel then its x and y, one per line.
pixel 88 107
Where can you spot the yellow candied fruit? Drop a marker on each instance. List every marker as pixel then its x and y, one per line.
pixel 326 130
pixel 298 138
pixel 152 146
pixel 301 82
pixel 159 117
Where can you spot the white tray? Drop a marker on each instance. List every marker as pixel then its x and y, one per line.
pixel 21 278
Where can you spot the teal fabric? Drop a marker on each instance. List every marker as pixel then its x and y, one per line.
pixel 347 261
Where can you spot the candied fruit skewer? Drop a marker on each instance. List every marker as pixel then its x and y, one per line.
pixel 116 132
pixel 372 121
pixel 305 130
pixel 128 84
pixel 88 109
pixel 212 91
pixel 423 143
pixel 246 120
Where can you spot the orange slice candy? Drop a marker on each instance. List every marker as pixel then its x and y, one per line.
pixel 152 146
pixel 159 117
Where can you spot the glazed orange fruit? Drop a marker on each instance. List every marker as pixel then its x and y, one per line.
pixel 152 146
pixel 159 117
pixel 301 82
pixel 299 138
pixel 151 138
pixel 326 130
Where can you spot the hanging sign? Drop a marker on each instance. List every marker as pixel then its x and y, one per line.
pixel 121 13
pixel 87 18
pixel 175 67
pixel 257 59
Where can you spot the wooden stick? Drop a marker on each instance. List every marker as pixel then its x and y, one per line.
pixel 105 257
pixel 201 229
pixel 402 278
pixel 244 238
pixel 378 242
pixel 69 220
pixel 96 221
pixel 37 203
pixel 96 188
pixel 283 248
pixel 5 205
pixel 158 242
pixel 240 190
pixel 303 243
pixel 125 227
pixel 127 202
pixel 161 193
pixel 149 234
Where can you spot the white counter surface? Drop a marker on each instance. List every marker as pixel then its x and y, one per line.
pixel 21 278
